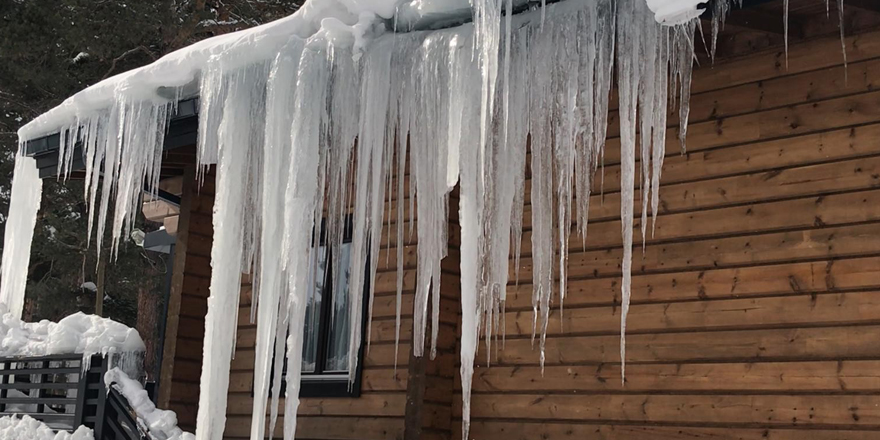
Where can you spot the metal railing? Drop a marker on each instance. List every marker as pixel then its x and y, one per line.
pixel 63 393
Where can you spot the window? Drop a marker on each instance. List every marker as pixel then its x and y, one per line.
pixel 327 326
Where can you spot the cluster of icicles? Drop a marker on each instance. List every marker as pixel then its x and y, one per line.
pixel 324 132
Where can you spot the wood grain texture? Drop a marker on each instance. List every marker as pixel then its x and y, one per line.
pixel 182 358
pixel 754 303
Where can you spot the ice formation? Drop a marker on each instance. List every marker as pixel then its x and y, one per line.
pixel 309 120
pixel 160 424
pixel 23 206
pixel 28 428
pixel 78 333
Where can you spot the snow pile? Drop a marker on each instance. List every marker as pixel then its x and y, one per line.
pixel 160 424
pixel 78 333
pixel 673 12
pixel 27 188
pixel 28 428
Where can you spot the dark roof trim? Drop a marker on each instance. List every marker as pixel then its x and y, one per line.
pixel 183 128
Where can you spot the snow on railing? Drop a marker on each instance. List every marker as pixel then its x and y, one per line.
pixel 75 334
pixel 160 424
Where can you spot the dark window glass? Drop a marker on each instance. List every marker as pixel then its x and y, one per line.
pixel 327 326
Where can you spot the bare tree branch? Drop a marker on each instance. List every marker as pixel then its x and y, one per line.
pixel 127 54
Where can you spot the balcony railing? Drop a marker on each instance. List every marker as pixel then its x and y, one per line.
pixel 63 393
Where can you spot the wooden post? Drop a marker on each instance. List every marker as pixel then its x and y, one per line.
pixel 172 321
pixel 415 393
pixel 99 290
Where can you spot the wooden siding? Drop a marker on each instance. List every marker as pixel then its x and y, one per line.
pixel 186 368
pixel 756 304
pixel 380 412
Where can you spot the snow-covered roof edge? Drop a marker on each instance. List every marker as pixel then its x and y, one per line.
pixel 176 75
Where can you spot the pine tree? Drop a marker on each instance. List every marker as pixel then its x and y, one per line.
pixel 51 49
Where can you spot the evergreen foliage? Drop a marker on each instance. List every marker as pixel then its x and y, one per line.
pixel 51 49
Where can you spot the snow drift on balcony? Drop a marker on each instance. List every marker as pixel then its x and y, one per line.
pixel 28 428
pixel 160 424
pixel 75 334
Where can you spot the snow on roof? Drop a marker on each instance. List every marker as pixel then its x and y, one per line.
pixel 28 428
pixel 176 75
pixel 182 67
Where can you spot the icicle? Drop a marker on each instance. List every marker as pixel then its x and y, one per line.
pixel 719 15
pixel 428 160
pixel 469 214
pixel 212 94
pixel 629 35
pixel 584 161
pixel 369 204
pixel 112 150
pixel 95 151
pixel 841 17
pixel 401 171
pixel 648 53
pixel 138 152
pixel 279 107
pixel 785 30
pixel 661 100
pixel 301 200
pixel 565 92
pixel 682 63
pixel 282 327
pixel 243 113
pixel 24 203
pixel 517 139
pixel 487 30
pixel 541 135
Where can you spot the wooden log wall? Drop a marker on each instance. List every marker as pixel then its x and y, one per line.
pixel 185 328
pixel 756 304
pixel 381 412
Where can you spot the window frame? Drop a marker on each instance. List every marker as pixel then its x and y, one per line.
pixel 322 384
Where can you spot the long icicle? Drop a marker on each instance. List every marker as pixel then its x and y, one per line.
pixel 236 146
pixel 27 189
pixel 280 90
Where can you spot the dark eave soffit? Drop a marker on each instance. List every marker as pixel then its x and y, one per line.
pixel 183 128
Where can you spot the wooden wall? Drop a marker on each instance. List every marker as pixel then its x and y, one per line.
pixel 756 305
pixel 380 412
pixel 182 359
